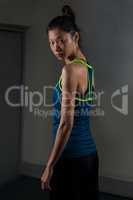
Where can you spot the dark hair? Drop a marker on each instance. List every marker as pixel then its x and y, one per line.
pixel 65 22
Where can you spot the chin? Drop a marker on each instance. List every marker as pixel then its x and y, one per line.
pixel 59 57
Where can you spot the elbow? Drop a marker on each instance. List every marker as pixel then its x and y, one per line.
pixel 66 125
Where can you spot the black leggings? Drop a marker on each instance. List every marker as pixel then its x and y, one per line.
pixel 75 179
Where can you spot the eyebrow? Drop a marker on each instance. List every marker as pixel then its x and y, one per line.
pixel 59 37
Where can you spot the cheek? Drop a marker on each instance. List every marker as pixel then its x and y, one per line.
pixel 69 49
pixel 68 46
pixel 52 50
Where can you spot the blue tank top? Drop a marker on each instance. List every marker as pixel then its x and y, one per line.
pixel 80 141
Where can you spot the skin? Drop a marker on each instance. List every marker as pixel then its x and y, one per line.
pixel 74 79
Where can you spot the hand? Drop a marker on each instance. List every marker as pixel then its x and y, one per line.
pixel 46 177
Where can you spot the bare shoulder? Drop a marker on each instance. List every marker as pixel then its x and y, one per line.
pixel 71 69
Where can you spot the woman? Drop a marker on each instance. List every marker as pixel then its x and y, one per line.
pixel 72 168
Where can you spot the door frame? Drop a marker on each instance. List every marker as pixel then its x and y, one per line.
pixel 22 30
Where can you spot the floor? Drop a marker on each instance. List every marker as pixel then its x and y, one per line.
pixel 25 188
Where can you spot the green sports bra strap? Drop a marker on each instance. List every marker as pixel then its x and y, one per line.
pixel 81 61
pixel 78 61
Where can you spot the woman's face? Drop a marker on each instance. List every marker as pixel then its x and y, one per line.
pixel 62 44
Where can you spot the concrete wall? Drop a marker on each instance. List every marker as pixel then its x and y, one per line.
pixel 107 38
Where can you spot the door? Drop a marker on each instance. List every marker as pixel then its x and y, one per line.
pixel 10 117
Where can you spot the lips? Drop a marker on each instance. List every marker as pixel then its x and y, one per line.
pixel 59 54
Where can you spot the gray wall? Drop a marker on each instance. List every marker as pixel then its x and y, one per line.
pixel 107 41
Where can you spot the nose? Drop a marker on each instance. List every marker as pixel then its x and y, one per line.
pixel 57 47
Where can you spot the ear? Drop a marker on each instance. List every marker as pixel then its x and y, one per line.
pixel 76 37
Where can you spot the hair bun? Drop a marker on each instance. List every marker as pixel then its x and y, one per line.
pixel 67 11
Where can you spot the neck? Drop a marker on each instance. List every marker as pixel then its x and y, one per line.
pixel 77 54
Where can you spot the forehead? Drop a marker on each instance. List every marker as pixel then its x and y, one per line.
pixel 57 33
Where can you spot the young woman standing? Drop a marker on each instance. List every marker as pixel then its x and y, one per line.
pixel 72 168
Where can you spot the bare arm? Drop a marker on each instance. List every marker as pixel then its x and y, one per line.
pixel 69 87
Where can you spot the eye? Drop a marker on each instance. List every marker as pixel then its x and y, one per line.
pixel 62 40
pixel 51 43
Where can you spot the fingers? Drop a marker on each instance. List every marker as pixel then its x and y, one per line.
pixel 49 187
pixel 42 185
pixel 45 186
